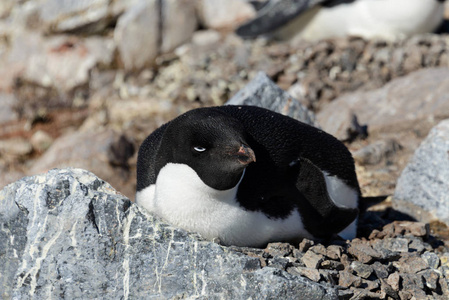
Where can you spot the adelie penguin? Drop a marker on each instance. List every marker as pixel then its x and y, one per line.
pixel 321 19
pixel 248 176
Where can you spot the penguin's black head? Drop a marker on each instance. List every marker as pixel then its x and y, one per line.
pixel 212 143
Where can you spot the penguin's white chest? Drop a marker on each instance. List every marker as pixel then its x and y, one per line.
pixel 184 200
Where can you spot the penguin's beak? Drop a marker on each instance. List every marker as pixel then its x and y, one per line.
pixel 246 155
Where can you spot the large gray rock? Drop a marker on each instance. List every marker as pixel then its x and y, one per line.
pixel 64 63
pixel 92 149
pixel 179 23
pixel 69 233
pixel 263 92
pixel 422 188
pixel 137 35
pixel 410 102
pixel 149 28
pixel 72 15
pixel 61 63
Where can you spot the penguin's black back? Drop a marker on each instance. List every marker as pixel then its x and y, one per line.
pixel 285 139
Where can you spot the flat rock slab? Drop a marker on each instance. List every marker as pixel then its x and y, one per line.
pixel 263 92
pixel 404 103
pixel 69 233
pixel 422 188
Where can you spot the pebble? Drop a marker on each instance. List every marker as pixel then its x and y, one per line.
pixel 362 269
pixel 381 270
pixel 410 264
pixel 371 285
pixel 332 265
pixel 432 260
pixel 394 281
pixel 412 282
pixel 319 249
pixel 334 252
pixel 388 290
pixel 279 249
pixel 305 245
pixel 431 278
pixel 392 244
pixel 312 260
pixel 347 280
pixel 364 253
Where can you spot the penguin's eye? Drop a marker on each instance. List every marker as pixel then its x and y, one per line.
pixel 199 149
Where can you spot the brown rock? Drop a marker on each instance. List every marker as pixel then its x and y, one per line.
pixel 312 260
pixel 334 252
pixel 388 290
pixel 319 249
pixel 346 261
pixel 400 228
pixel 394 280
pixel 364 253
pixel 410 264
pixel 332 265
pixel 347 280
pixel 305 245
pixel 406 295
pixel 279 249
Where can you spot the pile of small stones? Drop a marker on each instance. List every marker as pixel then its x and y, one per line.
pixel 401 261
pixel 313 72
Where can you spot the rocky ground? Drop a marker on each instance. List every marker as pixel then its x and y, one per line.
pixel 70 99
pixel 400 261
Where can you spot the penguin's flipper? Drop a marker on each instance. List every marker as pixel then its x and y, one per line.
pixel 312 185
pixel 273 15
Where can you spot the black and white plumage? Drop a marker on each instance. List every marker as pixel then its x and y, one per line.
pixel 320 19
pixel 248 176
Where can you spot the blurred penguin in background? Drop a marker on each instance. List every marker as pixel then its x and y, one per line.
pixel 320 19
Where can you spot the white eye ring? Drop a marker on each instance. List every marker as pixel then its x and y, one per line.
pixel 199 149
